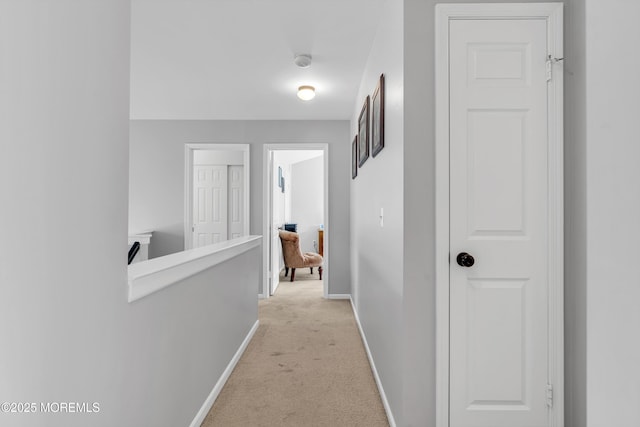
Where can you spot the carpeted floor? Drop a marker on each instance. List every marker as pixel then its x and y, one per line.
pixel 305 366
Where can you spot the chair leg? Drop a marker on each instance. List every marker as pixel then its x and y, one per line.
pixel 293 274
pixel 320 271
pixel 311 268
pixel 286 271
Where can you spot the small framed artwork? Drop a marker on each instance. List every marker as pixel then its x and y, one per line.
pixel 363 133
pixel 354 157
pixel 377 118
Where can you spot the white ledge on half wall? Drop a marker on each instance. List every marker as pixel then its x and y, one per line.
pixel 144 238
pixel 150 276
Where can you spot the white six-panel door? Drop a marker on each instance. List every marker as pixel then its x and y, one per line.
pixel 210 205
pixel 236 201
pixel 498 215
pixel 218 203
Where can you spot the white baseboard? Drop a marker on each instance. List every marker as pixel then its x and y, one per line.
pixel 339 296
pixel 206 407
pixel 383 396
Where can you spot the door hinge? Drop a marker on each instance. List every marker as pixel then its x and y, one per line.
pixel 550 62
pixel 550 395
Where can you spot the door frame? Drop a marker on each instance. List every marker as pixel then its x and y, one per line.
pixel 553 14
pixel 268 212
pixel 188 184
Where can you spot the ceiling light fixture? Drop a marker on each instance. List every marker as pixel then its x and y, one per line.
pixel 306 93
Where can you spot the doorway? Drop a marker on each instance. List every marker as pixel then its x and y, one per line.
pixel 283 189
pixel 499 217
pixel 216 193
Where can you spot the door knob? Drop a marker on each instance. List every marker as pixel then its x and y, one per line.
pixel 465 260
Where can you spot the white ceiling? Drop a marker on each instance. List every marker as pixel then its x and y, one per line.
pixel 233 59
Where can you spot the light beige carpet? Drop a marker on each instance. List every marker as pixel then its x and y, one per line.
pixel 305 366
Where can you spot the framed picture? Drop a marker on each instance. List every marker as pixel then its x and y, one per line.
pixel 354 157
pixel 363 133
pixel 377 118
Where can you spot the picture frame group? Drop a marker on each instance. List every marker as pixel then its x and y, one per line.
pixel 369 141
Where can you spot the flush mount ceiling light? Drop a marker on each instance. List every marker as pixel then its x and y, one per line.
pixel 306 93
pixel 302 60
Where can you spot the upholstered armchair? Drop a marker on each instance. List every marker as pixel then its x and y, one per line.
pixel 293 256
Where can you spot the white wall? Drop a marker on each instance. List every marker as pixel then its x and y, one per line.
pixel 613 213
pixel 156 156
pixel 69 333
pixel 295 156
pixel 307 200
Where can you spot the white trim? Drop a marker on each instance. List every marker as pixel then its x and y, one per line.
pixel 553 13
pixel 339 296
pixel 208 403
pixel 155 274
pixel 275 288
pixel 266 217
pixel 266 220
pixel 556 219
pixel 188 183
pixel 383 396
pixel 442 215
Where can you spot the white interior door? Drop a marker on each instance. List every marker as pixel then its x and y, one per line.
pixel 275 254
pixel 499 215
pixel 210 205
pixel 236 201
pixel 277 220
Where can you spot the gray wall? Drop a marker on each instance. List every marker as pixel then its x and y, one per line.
pixel 575 216
pixel 181 339
pixel 612 213
pixel 419 232
pixel 69 333
pixel 377 252
pixel 157 177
